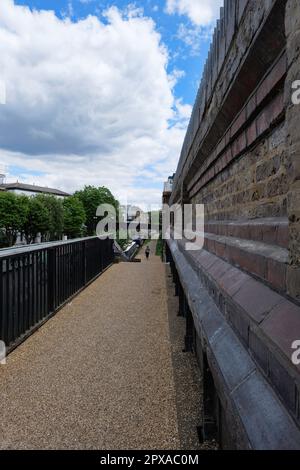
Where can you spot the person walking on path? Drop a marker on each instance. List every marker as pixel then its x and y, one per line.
pixel 147 252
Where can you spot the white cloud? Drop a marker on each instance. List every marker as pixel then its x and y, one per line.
pixel 2 92
pixel 200 12
pixel 88 102
pixel 184 110
pixel 193 36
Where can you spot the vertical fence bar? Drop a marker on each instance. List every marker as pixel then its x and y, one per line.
pixel 51 279
pixel 84 262
pixel 2 302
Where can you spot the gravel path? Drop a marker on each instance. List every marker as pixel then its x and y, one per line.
pixel 99 374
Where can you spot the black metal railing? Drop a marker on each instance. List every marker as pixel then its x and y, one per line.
pixel 35 281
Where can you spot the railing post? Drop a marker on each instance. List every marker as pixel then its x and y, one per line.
pixel 103 247
pixel 84 263
pixel 181 301
pixel 51 272
pixel 2 306
pixel 189 337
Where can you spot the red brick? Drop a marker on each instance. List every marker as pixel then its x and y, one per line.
pixel 256 232
pixel 208 228
pixel 238 123
pixel 263 91
pixel 283 236
pixel 270 234
pixel 242 143
pixel 206 243
pixel 232 281
pixel 253 263
pixel 211 245
pixel 218 269
pixel 223 161
pixel 234 255
pixel 227 137
pixel 251 133
pixel 228 155
pixel 278 72
pixel 221 146
pixel 220 249
pixel 283 326
pixel 206 259
pixel 239 144
pixel 262 123
pixel 277 274
pixel 276 108
pixel 231 230
pixel 256 300
pixel 251 106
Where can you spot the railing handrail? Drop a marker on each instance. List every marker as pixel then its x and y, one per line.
pixel 15 250
pixel 37 280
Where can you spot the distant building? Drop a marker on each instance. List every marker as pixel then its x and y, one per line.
pixel 132 212
pixel 31 190
pixel 2 178
pixel 168 186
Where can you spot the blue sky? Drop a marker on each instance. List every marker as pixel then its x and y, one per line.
pixel 181 55
pixel 104 100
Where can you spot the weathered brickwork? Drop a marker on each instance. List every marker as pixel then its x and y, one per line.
pixel 241 159
pixel 292 22
pixel 254 186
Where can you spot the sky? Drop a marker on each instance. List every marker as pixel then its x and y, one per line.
pixel 100 92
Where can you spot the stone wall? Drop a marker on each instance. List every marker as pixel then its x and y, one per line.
pixel 293 144
pixel 255 185
pixel 241 159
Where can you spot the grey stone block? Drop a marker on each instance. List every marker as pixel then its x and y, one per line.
pixel 268 425
pixel 232 358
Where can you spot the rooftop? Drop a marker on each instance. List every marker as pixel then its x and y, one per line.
pixel 33 188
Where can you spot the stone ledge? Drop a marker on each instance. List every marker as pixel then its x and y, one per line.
pixel 247 303
pixel 273 230
pixel 263 260
pixel 262 422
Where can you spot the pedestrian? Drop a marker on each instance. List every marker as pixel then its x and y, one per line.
pixel 147 252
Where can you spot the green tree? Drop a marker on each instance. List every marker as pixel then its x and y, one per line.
pixel 37 220
pixel 74 217
pixel 13 215
pixel 91 198
pixel 56 216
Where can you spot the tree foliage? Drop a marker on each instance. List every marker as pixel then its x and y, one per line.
pixel 74 217
pixel 49 216
pixel 37 220
pixel 55 209
pixel 13 215
pixel 91 198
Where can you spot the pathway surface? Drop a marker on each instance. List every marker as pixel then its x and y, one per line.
pixel 99 374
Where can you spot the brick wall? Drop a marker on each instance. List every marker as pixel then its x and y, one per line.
pixel 293 145
pixel 254 185
pixel 235 158
pixel 241 158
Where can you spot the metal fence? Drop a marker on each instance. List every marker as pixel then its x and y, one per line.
pixel 35 281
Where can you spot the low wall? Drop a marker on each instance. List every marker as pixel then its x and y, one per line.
pixel 241 159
